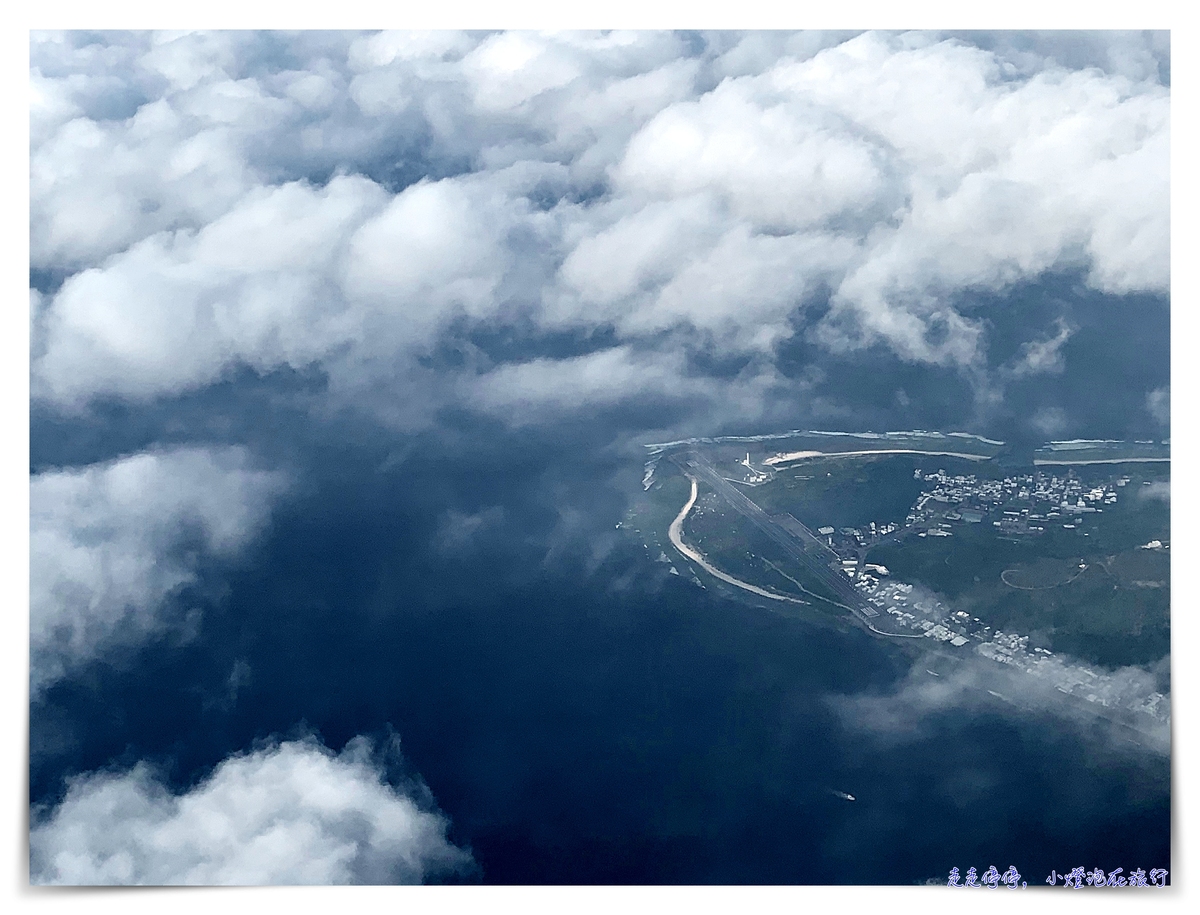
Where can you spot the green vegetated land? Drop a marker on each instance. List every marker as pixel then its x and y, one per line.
pixel 1102 451
pixel 735 546
pixel 845 442
pixel 724 537
pixel 851 491
pixel 1115 611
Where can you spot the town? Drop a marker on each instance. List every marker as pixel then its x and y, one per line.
pixel 924 613
pixel 1026 503
pixel 1017 507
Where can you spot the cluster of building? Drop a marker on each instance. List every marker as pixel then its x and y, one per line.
pixel 1026 504
pixel 1019 505
pixel 922 613
pixel 850 540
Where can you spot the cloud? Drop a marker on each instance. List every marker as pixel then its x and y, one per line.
pixel 1043 356
pixel 436 248
pixel 293 813
pixel 459 530
pixel 1050 421
pixel 680 264
pixel 1158 490
pixel 563 385
pixel 905 712
pixel 178 309
pixel 102 111
pixel 1003 179
pixel 110 543
pixel 1138 56
pixel 774 159
pixel 1158 402
pixel 348 201
pixel 488 232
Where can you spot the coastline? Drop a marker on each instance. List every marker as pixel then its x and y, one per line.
pixel 675 532
pixel 1144 460
pixel 804 455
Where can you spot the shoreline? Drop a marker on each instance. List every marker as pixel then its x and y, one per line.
pixel 804 455
pixel 1145 460
pixel 675 533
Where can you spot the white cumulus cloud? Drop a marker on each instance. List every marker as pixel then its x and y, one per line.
pixel 294 813
pixel 341 200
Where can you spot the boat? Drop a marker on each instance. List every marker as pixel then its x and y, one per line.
pixel 842 794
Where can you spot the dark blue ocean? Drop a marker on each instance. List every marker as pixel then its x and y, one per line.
pixel 580 716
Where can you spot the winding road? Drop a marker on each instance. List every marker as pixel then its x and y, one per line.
pixel 789 539
pixel 675 532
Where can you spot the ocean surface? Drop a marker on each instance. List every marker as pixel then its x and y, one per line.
pixel 581 716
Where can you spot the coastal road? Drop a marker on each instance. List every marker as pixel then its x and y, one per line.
pixel 675 532
pixel 797 541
